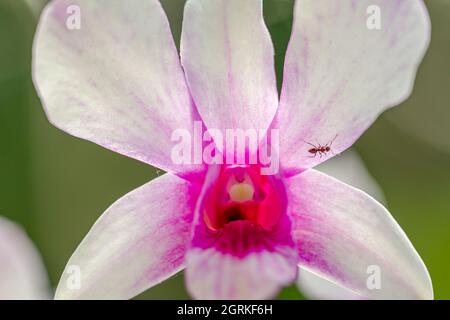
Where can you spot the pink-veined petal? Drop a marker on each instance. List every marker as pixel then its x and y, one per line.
pixel 228 58
pixel 340 74
pixel 137 243
pixel 22 273
pixel 346 236
pixel 347 167
pixel 240 261
pixel 117 80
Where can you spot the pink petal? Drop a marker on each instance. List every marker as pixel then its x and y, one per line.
pixel 339 75
pixel 137 243
pixel 117 81
pixel 22 273
pixel 241 260
pixel 228 57
pixel 343 234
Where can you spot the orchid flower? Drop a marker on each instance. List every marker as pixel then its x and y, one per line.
pixel 116 79
pixel 22 273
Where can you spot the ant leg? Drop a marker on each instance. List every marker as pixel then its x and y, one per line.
pixel 318 145
pixel 310 144
pixel 313 156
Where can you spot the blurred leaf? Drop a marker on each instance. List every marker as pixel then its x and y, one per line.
pixel 16 31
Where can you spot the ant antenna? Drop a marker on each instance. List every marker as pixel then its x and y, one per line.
pixel 331 143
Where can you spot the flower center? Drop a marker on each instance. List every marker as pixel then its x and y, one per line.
pixel 241 193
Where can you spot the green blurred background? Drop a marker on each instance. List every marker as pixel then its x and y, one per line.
pixel 56 185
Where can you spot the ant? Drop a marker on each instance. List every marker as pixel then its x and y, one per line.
pixel 319 149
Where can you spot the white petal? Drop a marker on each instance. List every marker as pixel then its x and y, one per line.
pixel 340 75
pixel 346 236
pixel 137 243
pixel 117 81
pixel 316 287
pixel 228 58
